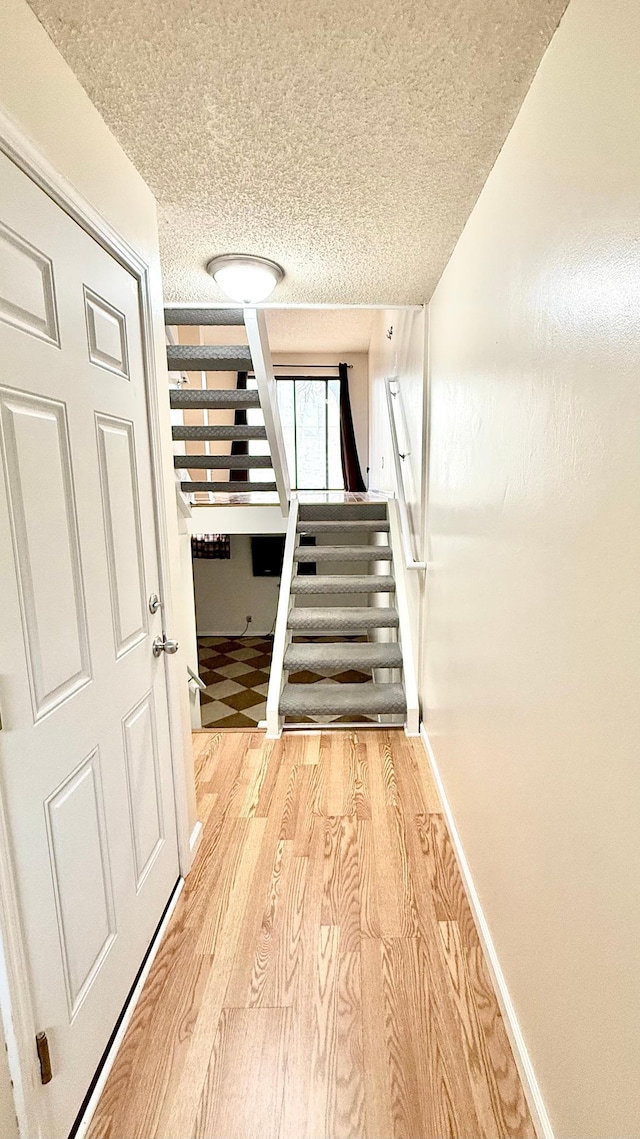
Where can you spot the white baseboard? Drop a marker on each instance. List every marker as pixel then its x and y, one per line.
pixel 195 838
pixel 90 1109
pixel 525 1067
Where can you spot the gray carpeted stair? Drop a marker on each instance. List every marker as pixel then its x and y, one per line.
pixel 343 554
pixel 224 433
pixel 338 526
pixel 174 315
pixel 331 700
pixel 341 511
pixel 208 357
pixel 222 462
pixel 343 583
pixel 230 487
pixel 342 655
pixel 341 619
pixel 213 399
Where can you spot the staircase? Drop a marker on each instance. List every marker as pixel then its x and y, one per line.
pixel 230 470
pixel 342 618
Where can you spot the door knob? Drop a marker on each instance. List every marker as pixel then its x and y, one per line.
pixel 163 645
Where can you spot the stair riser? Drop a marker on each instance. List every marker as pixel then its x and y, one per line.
pixel 343 554
pixel 368 526
pixel 228 487
pixel 342 584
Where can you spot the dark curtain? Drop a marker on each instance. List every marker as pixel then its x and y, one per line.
pixel 211 546
pixel 350 463
pixel 240 446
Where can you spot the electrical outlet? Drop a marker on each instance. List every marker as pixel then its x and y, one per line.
pixel 249 619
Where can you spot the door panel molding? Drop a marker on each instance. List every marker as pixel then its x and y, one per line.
pixel 16 1003
pixel 58 662
pixel 122 531
pixel 75 816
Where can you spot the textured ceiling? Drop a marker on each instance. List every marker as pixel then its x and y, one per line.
pixel 346 139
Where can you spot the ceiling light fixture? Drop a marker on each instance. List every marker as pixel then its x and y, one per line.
pixel 245 278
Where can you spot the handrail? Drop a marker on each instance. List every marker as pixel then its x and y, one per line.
pixel 274 721
pixel 406 637
pixel 398 458
pixel 256 327
pixel 198 681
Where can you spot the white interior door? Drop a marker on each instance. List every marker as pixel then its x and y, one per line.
pixel 84 748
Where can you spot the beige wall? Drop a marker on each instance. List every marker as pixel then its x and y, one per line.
pixel 227 592
pixel 533 662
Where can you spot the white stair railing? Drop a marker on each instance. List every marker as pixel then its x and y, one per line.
pixel 282 634
pixel 401 457
pixel 255 323
pixel 400 568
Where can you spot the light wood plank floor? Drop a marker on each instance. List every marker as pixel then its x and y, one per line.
pixel 321 977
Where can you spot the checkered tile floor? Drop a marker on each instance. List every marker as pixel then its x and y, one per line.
pixel 236 673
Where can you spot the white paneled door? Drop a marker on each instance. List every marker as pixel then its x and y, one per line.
pixel 84 748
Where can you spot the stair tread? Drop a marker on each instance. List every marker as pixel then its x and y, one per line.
pixel 208 357
pixel 343 583
pixel 343 554
pixel 222 462
pixel 342 618
pixel 230 487
pixel 343 655
pixel 231 432
pixel 340 699
pixel 203 316
pixel 356 525
pixel 213 398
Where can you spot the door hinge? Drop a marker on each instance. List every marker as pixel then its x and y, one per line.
pixel 42 1045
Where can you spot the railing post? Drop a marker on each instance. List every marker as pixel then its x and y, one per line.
pixel 256 326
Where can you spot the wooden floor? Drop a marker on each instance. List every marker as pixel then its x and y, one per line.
pixel 321 976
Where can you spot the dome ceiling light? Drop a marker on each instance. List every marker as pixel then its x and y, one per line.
pixel 245 278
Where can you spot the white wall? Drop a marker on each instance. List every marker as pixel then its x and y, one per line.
pixel 358 388
pixel 227 592
pixel 8 1122
pixel 39 92
pixel 533 647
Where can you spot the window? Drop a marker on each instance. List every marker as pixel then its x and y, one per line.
pixel 310 417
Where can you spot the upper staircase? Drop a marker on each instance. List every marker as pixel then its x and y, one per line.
pixel 345 618
pixel 228 453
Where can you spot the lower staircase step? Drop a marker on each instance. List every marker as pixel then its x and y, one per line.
pixel 342 656
pixel 356 525
pixel 343 583
pixel 341 511
pixel 222 462
pixel 230 487
pixel 343 554
pixel 342 619
pixel 368 699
